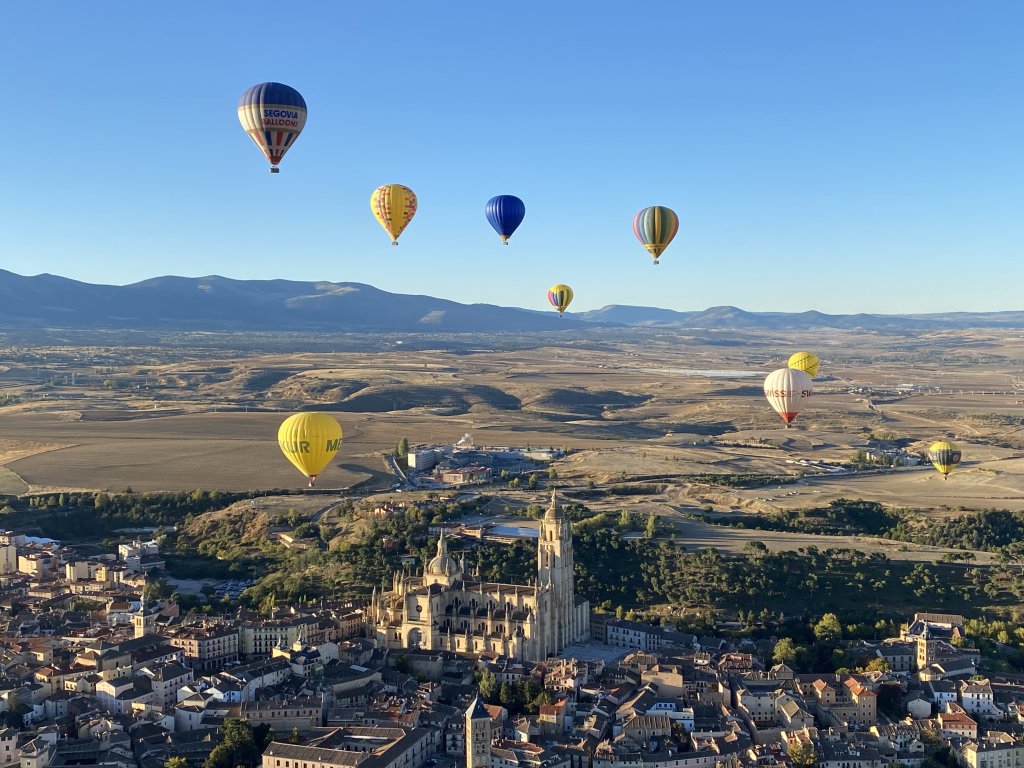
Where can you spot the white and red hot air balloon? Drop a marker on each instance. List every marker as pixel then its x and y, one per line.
pixel 786 390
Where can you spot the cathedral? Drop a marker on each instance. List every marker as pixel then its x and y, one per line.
pixel 449 609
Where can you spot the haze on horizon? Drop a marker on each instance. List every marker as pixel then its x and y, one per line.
pixel 858 158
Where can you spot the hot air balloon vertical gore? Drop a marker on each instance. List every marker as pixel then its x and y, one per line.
pixel 786 390
pixel 655 227
pixel 560 297
pixel 805 361
pixel 393 206
pixel 309 441
pixel 273 114
pixel 505 213
pixel 944 456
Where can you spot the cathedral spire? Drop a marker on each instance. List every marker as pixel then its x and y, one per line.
pixel 554 512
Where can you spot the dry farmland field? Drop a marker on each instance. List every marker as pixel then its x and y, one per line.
pixel 630 404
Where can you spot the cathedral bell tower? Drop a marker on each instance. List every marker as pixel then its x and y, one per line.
pixel 555 571
pixel 478 735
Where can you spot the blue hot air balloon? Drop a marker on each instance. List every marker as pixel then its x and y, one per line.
pixel 505 213
pixel 273 114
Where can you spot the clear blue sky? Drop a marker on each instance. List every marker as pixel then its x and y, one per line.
pixel 841 156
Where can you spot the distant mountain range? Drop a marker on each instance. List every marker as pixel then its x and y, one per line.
pixel 738 319
pixel 222 304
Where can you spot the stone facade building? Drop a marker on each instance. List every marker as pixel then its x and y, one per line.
pixel 448 609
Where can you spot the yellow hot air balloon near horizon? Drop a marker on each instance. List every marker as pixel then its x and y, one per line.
pixel 309 441
pixel 393 206
pixel 944 456
pixel 807 362
pixel 560 296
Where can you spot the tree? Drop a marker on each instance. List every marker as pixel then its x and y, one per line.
pixel 506 695
pixel 877 665
pixel 402 449
pixel 802 754
pixel 652 525
pixel 784 652
pixel 263 734
pixel 829 629
pixel 756 547
pixel 552 473
pixel 531 482
pixel 220 757
pixel 295 737
pixel 176 762
pixel 488 685
pixel 238 747
pixel 544 697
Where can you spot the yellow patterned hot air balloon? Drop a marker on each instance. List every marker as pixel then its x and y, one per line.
pixel 945 456
pixel 393 206
pixel 804 361
pixel 654 227
pixel 309 441
pixel 560 296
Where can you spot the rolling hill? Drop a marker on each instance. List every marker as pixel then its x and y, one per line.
pixel 222 304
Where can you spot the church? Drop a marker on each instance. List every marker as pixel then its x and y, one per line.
pixel 449 609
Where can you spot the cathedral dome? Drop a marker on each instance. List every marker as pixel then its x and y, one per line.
pixel 443 564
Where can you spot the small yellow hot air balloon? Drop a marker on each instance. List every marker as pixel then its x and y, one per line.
pixel 945 456
pixel 804 361
pixel 560 296
pixel 393 206
pixel 309 441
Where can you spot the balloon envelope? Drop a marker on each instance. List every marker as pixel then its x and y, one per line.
pixel 655 227
pixel 309 441
pixel 805 361
pixel 945 456
pixel 505 213
pixel 393 206
pixel 273 114
pixel 786 390
pixel 560 297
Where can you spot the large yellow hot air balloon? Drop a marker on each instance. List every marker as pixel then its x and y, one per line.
pixel 786 390
pixel 805 361
pixel 944 455
pixel 393 206
pixel 309 441
pixel 560 296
